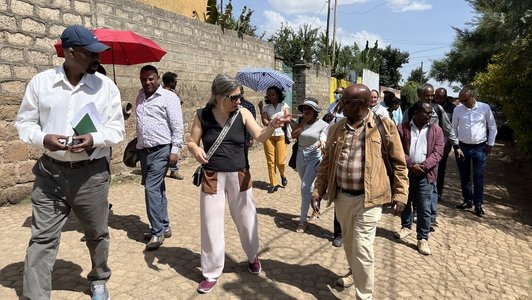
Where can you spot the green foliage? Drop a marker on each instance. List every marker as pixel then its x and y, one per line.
pixel 226 20
pixel 392 59
pixel 497 24
pixel 418 76
pixel 288 43
pixel 409 93
pixel 508 80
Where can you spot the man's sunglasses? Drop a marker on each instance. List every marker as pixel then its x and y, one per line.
pixel 234 98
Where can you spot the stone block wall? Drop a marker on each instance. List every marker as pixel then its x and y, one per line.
pixel 29 28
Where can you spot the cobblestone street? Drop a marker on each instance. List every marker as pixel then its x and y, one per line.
pixel 472 257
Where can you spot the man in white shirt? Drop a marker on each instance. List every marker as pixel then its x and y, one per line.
pixel 66 176
pixel 476 129
pixel 423 145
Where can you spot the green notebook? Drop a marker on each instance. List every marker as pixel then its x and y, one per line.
pixel 85 126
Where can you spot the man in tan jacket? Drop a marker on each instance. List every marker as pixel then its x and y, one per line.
pixel 354 174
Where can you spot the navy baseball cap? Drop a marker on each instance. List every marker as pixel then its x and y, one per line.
pixel 79 36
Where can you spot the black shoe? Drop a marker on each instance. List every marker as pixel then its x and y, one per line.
pixel 155 242
pixel 479 211
pixel 272 189
pixel 167 233
pixel 464 205
pixel 284 182
pixel 337 242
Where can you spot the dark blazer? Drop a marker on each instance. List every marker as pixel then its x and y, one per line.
pixel 435 145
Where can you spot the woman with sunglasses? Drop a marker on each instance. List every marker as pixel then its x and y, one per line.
pixel 226 173
pixel 275 146
pixel 311 140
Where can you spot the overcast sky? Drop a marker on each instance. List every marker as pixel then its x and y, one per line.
pixel 421 27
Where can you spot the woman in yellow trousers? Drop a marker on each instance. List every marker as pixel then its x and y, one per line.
pixel 275 146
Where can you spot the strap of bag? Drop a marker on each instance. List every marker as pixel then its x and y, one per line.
pixel 385 156
pixel 222 135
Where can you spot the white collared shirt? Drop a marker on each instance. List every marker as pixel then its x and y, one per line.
pixel 474 125
pixel 159 120
pixel 418 143
pixel 50 102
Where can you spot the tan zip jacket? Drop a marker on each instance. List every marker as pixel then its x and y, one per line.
pixel 377 189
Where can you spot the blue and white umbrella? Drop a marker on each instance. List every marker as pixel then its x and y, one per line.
pixel 260 79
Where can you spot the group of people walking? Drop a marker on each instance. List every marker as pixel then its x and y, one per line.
pixel 359 160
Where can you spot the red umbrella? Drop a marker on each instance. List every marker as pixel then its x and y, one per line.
pixel 127 48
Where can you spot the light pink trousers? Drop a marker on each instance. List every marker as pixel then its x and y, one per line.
pixel 212 212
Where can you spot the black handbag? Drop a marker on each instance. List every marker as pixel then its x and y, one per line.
pixel 293 157
pixel 197 177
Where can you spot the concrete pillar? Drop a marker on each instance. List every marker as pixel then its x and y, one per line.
pixel 299 71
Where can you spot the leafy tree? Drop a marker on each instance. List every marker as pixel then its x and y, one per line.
pixel 417 75
pixel 497 24
pixel 409 93
pixel 507 81
pixel 288 43
pixel 392 59
pixel 226 20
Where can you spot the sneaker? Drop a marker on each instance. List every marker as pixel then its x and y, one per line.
pixel 176 175
pixel 404 232
pixel 423 247
pixel 255 267
pixel 346 281
pixel 337 242
pixel 206 286
pixel 99 292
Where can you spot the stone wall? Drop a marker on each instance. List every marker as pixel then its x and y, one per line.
pixel 181 7
pixel 29 28
pixel 311 80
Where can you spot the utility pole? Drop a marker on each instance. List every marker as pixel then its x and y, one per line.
pixel 421 75
pixel 334 35
pixel 327 30
pixel 221 7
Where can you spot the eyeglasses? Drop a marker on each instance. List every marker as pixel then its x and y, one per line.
pixel 234 98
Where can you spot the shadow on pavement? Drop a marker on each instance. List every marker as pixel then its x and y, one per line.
pixel 312 279
pixel 260 185
pixel 66 276
pixel 289 222
pixel 131 224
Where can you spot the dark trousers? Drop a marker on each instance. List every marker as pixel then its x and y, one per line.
pixel 154 165
pixel 57 190
pixel 472 191
pixel 442 165
pixel 337 229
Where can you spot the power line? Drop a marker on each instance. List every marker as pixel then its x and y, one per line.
pixel 318 14
pixel 364 12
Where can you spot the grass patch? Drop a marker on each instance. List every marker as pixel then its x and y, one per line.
pixel 124 178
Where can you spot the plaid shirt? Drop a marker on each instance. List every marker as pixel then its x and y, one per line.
pixel 350 172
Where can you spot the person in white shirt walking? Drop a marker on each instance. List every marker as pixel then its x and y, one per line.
pixel 475 127
pixel 66 176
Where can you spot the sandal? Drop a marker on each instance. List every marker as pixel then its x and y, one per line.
pixel 315 215
pixel 301 227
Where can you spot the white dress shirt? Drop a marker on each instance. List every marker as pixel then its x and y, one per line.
pixel 50 102
pixel 474 125
pixel 159 120
pixel 418 143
